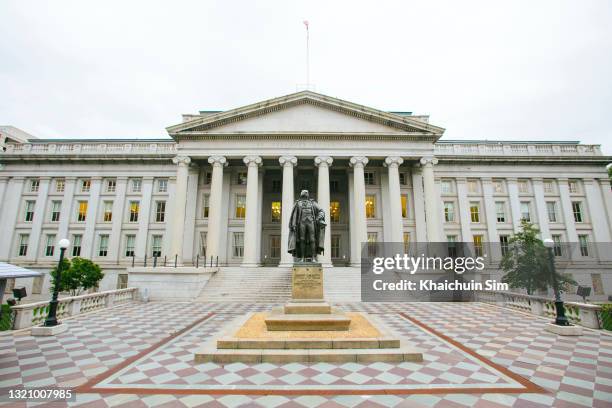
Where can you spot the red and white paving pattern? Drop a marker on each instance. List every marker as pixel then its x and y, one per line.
pixel 141 354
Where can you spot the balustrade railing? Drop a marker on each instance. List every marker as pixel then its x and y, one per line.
pixel 516 149
pixel 34 314
pixel 583 314
pixel 94 148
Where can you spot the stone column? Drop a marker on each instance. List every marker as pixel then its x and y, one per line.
pixel 323 198
pixel 8 217
pixel 39 215
pixel 3 184
pixel 463 210
pixel 491 218
pixel 251 257
pixel 596 211
pixel 114 246
pixel 215 203
pixel 419 205
pixel 143 218
pixel 541 211
pixel 395 198
pixel 360 235
pixel 178 213
pixel 431 199
pixel 89 235
pixel 287 162
pixel 515 203
pixel 568 219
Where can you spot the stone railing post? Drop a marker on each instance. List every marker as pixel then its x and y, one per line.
pixel 75 307
pixel 537 307
pixel 23 318
pixel 109 300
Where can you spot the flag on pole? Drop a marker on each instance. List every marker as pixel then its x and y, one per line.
pixel 306 24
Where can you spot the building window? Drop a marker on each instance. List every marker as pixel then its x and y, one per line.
pixel 238 245
pixel 334 186
pixel 477 245
pixel 156 246
pixel 34 185
pixel 577 209
pixel 207 178
pixel 523 186
pixel 446 187
pixel 162 185
pixel 404 199
pixel 242 178
pixel 136 185
pixel 56 207
pixel 277 186
pixel 240 206
pixel 406 241
pixel 134 210
pixel 498 186
pixel 402 177
pixel 334 211
pixel 596 282
pixel 369 178
pixel 82 211
pixel 50 246
pixel 103 245
pixel 549 187
pixel 29 210
pixel 372 240
pixel 525 215
pixel 160 211
pixel 205 205
pixel 111 185
pixel 503 244
pixel 573 186
pixel 370 206
pixel 276 211
pixel 76 244
pixel 275 246
pixel 551 209
pixel 584 245
pixel 122 281
pixel 449 211
pixel 335 246
pixel 472 186
pixel 451 241
pixel 24 239
pixel 37 285
pixel 60 185
pixel 203 237
pixel 107 214
pixel 557 245
pixel 130 244
pixel 500 211
pixel 85 185
pixel 475 212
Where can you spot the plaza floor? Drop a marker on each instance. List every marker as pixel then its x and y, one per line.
pixel 475 355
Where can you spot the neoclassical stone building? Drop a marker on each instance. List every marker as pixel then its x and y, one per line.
pixel 220 185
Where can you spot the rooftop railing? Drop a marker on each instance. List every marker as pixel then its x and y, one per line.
pixel 84 148
pixel 516 149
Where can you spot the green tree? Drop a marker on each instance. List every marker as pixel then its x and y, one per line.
pixel 78 275
pixel 527 263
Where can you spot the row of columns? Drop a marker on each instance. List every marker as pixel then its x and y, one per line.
pixel 323 163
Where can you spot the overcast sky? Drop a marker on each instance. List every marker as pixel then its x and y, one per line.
pixel 522 70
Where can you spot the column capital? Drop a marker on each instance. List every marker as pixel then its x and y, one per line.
pixel 287 161
pixel 323 161
pixel 252 161
pixel 358 161
pixel 181 160
pixel 393 161
pixel 217 161
pixel 428 161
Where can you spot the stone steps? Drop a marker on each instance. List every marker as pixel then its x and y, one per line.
pixel 237 284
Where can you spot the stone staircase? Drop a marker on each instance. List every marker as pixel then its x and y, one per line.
pixel 273 285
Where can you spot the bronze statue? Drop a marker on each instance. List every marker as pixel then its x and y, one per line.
pixel 306 229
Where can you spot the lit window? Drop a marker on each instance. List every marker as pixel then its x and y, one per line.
pixel 103 246
pixel 111 185
pixel 242 178
pixel 404 206
pixel 446 187
pixel 551 209
pixel 60 185
pixel 449 211
pixel 498 186
pixel 240 206
pixel 82 211
pixel 76 244
pixel 85 185
pixel 156 246
pixel 134 210
pixel 549 187
pixel 584 245
pixel 275 246
pixel 23 244
pixel 238 244
pixel 557 245
pixel 50 246
pixel 525 213
pixel 29 210
pixel 56 207
pixel 573 186
pixel 503 243
pixel 472 186
pixel 523 186
pixel 205 205
pixel 34 185
pixel 577 209
pixel 372 240
pixel 162 185
pixel 500 211
pixel 335 246
pixel 107 214
pixel 475 212
pixel 160 211
pixel 406 240
pixel 477 245
pixel 136 185
pixel 369 178
pixel 334 211
pixel 370 206
pixel 276 211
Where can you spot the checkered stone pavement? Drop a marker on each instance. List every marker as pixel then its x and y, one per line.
pixel 574 371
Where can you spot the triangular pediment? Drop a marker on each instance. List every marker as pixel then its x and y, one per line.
pixel 303 112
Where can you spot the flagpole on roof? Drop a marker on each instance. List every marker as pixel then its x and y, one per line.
pixel 307 55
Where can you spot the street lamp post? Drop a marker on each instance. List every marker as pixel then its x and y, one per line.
pixel 561 319
pixel 51 319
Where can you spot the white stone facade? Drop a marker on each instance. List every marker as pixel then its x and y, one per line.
pixel 221 186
